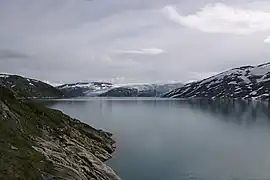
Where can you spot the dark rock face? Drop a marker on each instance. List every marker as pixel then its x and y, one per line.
pixel 29 87
pixel 143 90
pixel 85 88
pixel 42 143
pixel 248 82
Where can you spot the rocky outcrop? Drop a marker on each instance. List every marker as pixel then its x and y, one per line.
pixel 41 143
pixel 26 87
pixel 247 82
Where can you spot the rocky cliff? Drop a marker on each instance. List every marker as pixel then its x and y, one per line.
pixel 41 143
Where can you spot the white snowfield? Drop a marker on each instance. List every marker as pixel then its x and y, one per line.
pixel 84 85
pixel 87 88
pixel 146 86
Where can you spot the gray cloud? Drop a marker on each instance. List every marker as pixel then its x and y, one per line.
pixel 130 41
pixel 147 51
pixel 9 54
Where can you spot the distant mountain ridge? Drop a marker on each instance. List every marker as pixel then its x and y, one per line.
pixel 105 89
pixel 85 88
pixel 140 90
pixel 32 88
pixel 27 87
pixel 246 82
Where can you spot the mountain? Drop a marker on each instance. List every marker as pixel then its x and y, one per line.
pixel 140 90
pixel 41 143
pixel 85 88
pixel 120 92
pixel 29 87
pixel 247 82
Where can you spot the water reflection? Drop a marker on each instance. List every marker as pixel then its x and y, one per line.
pixel 240 112
pixel 182 140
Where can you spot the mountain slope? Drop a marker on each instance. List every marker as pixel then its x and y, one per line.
pixel 42 143
pixel 140 90
pixel 247 82
pixel 85 88
pixel 29 87
pixel 120 92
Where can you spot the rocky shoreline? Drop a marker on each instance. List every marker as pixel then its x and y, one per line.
pixel 41 143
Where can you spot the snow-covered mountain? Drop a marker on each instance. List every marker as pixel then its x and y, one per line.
pixel 140 90
pixel 29 87
pixel 247 82
pixel 85 88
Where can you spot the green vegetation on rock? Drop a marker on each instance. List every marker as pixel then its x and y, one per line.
pixel 41 143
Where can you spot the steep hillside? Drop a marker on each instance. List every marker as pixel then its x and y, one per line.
pixel 85 88
pixel 140 90
pixel 29 87
pixel 247 82
pixel 41 143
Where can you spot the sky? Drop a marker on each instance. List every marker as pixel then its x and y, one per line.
pixel 120 41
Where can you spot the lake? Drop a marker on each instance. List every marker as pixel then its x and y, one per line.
pixel 165 139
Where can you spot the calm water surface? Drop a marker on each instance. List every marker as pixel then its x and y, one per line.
pixel 179 140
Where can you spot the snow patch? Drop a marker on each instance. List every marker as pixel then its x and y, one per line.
pixel 260 70
pixel 253 93
pixel 232 83
pixel 4 76
pixel 264 80
pixel 245 79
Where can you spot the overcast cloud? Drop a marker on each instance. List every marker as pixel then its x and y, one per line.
pixel 131 41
